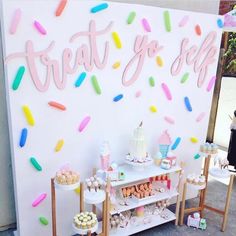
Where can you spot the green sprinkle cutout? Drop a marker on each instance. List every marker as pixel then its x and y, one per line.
pixel 197 156
pixel 96 85
pixel 184 78
pixel 167 21
pixel 43 220
pixel 131 17
pixel 35 164
pixel 152 81
pixel 18 78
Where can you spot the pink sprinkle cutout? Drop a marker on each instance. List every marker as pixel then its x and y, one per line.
pixel 39 199
pixel 169 120
pixel 211 83
pixel 184 21
pixel 166 91
pixel 40 28
pixel 138 94
pixel 84 123
pixel 146 25
pixel 201 116
pixel 15 21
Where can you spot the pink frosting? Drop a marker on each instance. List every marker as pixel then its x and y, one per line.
pixel 165 138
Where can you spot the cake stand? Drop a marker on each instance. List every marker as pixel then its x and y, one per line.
pixel 66 187
pixel 219 173
pixel 93 197
pixel 84 231
pixel 196 186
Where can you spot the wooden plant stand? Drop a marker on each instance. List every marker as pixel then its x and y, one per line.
pixel 105 210
pixel 202 204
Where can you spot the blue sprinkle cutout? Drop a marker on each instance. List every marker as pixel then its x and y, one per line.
pixel 188 104
pixel 118 98
pixel 220 23
pixel 23 137
pixel 99 7
pixel 176 143
pixel 80 79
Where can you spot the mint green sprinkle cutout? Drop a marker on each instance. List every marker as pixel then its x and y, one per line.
pixel 167 21
pixel 184 78
pixel 96 85
pixel 152 81
pixel 18 78
pixel 131 17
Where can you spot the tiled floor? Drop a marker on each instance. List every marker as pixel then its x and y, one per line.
pixel 215 197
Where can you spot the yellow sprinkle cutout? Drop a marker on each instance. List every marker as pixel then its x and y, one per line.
pixel 153 109
pixel 59 145
pixel 193 139
pixel 77 190
pixel 116 65
pixel 116 39
pixel 159 61
pixel 28 115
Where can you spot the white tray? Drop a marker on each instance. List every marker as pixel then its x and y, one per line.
pixel 66 187
pixel 219 173
pixel 93 197
pixel 196 186
pixel 142 200
pixel 84 231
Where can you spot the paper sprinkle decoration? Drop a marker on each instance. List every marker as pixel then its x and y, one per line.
pixel 61 7
pixel 28 115
pixel 169 120
pixel 184 21
pixel 184 78
pixel 138 94
pixel 23 137
pixel 166 91
pixel 194 140
pixel 151 81
pixel 211 83
pixel 153 109
pixel 96 85
pixel 187 104
pixel 220 23
pixel 15 21
pixel 43 220
pixel 176 143
pixel 201 116
pixel 39 199
pixel 40 28
pixel 59 145
pixel 146 25
pixel 197 156
pixel 131 17
pixel 99 7
pixel 84 123
pixel 35 164
pixel 118 98
pixel 198 30
pixel 159 61
pixel 116 65
pixel 80 79
pixel 18 78
pixel 57 105
pixel 167 21
pixel 116 40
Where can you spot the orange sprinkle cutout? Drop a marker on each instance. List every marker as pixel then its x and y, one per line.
pixel 61 7
pixel 198 30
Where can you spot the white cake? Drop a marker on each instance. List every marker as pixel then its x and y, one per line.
pixel 138 144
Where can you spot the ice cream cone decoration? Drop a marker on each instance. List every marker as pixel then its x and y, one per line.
pixel 164 143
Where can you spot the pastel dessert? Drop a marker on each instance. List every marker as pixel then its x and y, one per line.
pixel 196 179
pixel 67 177
pixel 94 183
pixel 85 220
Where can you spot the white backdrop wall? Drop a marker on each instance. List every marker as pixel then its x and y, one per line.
pixel 191 5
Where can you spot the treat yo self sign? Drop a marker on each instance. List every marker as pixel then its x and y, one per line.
pixel 81 72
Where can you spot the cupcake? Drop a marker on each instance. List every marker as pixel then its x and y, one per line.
pixel 93 223
pixel 84 225
pixel 89 224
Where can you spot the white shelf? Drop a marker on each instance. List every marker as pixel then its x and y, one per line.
pixel 93 197
pixel 133 176
pixel 155 198
pixel 196 186
pixel 132 229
